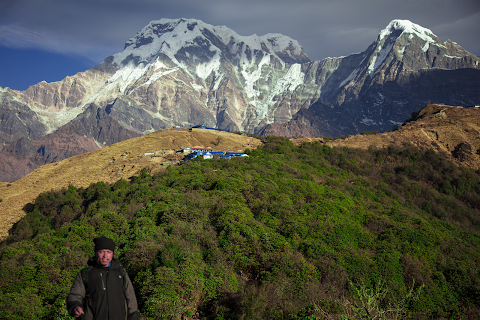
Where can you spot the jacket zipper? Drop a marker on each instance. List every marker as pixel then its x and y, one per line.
pixel 103 284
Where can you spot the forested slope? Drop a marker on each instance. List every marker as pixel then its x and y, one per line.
pixel 305 232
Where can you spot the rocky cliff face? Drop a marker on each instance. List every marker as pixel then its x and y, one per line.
pixel 18 120
pixel 23 156
pixel 89 131
pixel 186 72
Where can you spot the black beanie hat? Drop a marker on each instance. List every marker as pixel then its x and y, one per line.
pixel 104 243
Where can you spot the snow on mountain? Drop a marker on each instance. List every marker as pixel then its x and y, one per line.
pixel 182 71
pixel 198 49
pixel 412 29
pixel 289 82
pixel 169 36
pixel 395 30
pixel 270 75
pixel 188 42
pixel 406 26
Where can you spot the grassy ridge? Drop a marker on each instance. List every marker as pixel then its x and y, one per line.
pixel 304 232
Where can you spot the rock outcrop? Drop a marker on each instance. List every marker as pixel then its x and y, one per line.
pixel 18 120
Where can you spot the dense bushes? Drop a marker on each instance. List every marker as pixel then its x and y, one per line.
pixel 291 233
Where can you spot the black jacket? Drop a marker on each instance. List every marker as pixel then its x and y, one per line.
pixel 103 293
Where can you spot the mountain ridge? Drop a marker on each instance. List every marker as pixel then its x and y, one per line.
pixel 186 72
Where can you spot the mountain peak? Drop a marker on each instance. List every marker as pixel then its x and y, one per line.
pixel 171 36
pixel 396 37
pixel 406 26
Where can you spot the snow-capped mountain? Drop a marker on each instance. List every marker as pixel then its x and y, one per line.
pixel 211 62
pixel 199 50
pixel 186 42
pixel 416 47
pixel 405 68
pixel 187 72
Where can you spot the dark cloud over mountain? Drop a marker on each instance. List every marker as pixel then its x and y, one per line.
pixel 90 30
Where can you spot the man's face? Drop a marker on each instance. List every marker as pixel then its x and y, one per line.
pixel 104 256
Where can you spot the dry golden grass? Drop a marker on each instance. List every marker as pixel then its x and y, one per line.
pixel 441 128
pixel 121 160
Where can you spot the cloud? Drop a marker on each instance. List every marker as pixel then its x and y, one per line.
pixel 18 37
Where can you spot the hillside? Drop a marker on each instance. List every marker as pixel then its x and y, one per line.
pixel 454 131
pixel 308 232
pixel 109 164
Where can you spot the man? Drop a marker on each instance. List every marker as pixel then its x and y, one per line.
pixel 103 291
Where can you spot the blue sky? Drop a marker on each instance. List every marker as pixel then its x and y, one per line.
pixel 21 68
pixel 51 39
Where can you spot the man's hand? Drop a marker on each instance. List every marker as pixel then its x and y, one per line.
pixel 77 312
